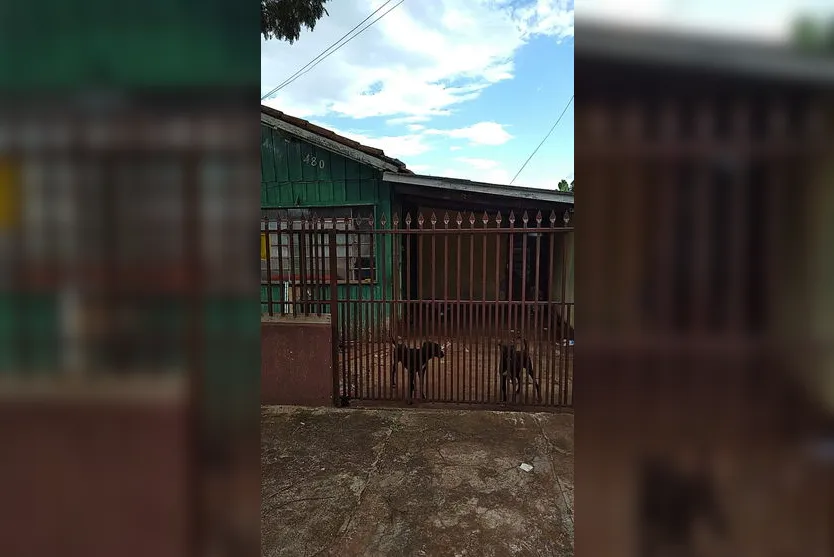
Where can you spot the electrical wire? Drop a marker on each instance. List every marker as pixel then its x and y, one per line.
pixel 332 48
pixel 543 140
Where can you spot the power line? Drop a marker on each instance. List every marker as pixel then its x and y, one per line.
pixel 333 48
pixel 323 52
pixel 543 140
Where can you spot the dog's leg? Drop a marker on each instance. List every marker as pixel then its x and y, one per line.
pixel 394 374
pixel 503 377
pixel 531 373
pixel 410 386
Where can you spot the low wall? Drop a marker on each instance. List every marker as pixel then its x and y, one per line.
pixel 296 361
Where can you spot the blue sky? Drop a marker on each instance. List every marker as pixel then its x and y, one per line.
pixel 463 88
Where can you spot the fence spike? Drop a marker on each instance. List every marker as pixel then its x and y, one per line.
pixel 525 218
pixel 566 217
pixel 420 220
pixel 498 218
pixel 459 219
pixel 433 219
pixel 552 217
pixel 512 218
pixel 472 218
pixel 485 218
pixel 395 220
pixel 371 220
pixel 446 219
pixel 538 218
pixel 408 220
pixel 383 221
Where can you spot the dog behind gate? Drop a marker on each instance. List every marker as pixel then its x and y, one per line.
pixel 414 361
pixel 514 359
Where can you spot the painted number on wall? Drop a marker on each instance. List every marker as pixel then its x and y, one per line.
pixel 313 161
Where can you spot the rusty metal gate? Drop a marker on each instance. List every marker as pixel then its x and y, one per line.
pixel 479 307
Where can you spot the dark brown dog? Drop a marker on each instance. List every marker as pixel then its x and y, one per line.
pixel 414 361
pixel 513 360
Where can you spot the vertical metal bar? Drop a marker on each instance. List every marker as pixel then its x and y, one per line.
pixel 268 241
pixel 511 320
pixel 322 239
pixel 408 292
pixel 350 312
pixel 280 246
pixel 371 311
pixel 379 292
pixel 523 306
pixel 334 312
pixel 344 310
pixel 569 363
pixel 394 319
pixel 359 314
pixel 472 309
pixel 382 249
pixel 444 324
pixel 498 307
pixel 551 314
pixel 434 387
pixel 537 309
pixel 484 344
pixel 420 274
pixel 312 246
pixel 290 282
pixel 302 264
pixel 459 334
pixel 563 345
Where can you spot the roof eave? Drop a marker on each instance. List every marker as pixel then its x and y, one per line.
pixel 518 192
pixel 330 145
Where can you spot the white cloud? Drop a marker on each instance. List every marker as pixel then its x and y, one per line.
pixel 482 133
pixel 481 164
pixel 419 142
pixel 415 127
pixel 418 62
pixel 407 120
pixel 455 148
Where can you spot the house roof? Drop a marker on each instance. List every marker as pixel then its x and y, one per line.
pixel 751 58
pixel 482 188
pixel 331 141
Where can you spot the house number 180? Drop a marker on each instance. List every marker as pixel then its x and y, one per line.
pixel 313 161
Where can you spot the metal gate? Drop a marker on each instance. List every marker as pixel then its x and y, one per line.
pixel 478 308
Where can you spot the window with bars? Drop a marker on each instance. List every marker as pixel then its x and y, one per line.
pixel 301 252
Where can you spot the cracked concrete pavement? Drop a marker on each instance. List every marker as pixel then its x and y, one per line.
pixel 415 482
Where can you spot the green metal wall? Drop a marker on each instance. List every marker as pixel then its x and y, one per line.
pixel 295 173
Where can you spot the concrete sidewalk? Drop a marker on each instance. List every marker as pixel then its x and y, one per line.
pixel 415 482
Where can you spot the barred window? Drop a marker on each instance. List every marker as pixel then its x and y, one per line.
pixel 302 251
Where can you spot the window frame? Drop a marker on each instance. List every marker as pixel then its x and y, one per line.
pixel 350 245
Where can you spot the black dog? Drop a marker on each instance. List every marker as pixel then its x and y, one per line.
pixel 415 361
pixel 513 360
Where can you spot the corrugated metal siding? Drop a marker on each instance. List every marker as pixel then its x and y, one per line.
pixel 295 173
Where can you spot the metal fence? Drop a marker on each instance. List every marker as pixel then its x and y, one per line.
pixel 465 302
